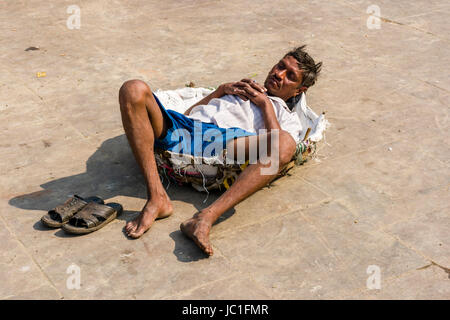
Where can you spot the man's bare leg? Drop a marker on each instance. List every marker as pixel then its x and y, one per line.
pixel 143 121
pixel 248 182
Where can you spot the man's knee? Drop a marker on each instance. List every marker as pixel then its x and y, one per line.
pixel 133 91
pixel 287 147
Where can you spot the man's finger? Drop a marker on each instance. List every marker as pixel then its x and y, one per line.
pixel 246 87
pixel 254 85
pixel 242 97
pixel 239 90
pixel 241 93
pixel 250 90
pixel 243 85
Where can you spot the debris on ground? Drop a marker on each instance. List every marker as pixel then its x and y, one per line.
pixel 32 49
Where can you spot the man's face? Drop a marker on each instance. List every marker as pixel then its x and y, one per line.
pixel 284 79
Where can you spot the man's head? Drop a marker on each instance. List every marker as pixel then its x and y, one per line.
pixel 292 75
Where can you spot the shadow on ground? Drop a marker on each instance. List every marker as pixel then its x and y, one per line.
pixel 110 172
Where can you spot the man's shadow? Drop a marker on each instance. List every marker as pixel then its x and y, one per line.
pixel 112 171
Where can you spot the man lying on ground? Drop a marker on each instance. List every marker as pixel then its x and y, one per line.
pixel 244 108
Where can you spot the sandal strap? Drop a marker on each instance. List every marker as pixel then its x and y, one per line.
pixel 92 215
pixel 69 208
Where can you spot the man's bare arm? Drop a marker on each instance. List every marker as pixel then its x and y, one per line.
pixel 270 119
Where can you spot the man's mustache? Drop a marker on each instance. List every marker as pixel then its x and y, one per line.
pixel 277 83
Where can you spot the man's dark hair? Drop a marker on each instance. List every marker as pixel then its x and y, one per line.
pixel 310 70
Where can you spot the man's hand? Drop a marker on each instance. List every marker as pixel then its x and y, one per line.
pixel 257 94
pixel 246 89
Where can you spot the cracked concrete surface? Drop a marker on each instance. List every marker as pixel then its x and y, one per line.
pixel 377 194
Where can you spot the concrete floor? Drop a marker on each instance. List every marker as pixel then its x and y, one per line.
pixel 377 194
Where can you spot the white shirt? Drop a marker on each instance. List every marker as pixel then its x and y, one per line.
pixel 231 111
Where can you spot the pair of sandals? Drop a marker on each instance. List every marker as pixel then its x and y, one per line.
pixel 82 215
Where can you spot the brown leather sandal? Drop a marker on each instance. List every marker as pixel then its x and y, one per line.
pixel 60 215
pixel 92 217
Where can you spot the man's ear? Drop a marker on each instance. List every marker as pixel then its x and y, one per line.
pixel 301 89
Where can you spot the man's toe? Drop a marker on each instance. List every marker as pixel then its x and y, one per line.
pixel 208 250
pixel 131 226
pixel 135 234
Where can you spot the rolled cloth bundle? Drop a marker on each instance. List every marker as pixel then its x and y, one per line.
pixel 208 173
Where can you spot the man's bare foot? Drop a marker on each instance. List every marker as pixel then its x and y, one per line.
pixel 198 229
pixel 153 209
